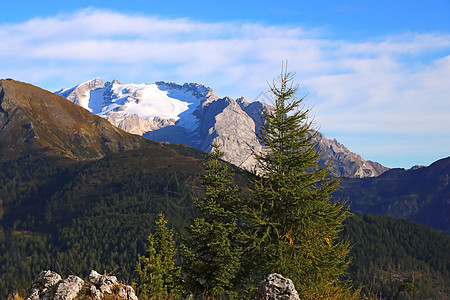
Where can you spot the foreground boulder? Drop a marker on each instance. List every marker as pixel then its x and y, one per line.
pixel 276 287
pixel 50 286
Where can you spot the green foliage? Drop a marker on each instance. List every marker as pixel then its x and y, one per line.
pixel 101 212
pixel 72 217
pixel 390 256
pixel 157 275
pixel 292 227
pixel 211 256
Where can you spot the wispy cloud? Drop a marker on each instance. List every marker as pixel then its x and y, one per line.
pixel 392 84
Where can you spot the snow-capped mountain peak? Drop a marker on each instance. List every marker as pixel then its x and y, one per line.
pixel 192 114
pixel 147 101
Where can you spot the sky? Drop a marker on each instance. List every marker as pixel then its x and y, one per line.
pixel 376 74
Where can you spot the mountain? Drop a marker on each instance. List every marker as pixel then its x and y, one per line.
pixel 193 115
pixel 69 181
pixel 32 118
pixel 73 210
pixel 418 194
pixel 344 162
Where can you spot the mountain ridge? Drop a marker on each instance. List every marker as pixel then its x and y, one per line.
pixel 35 119
pixel 419 194
pixel 203 119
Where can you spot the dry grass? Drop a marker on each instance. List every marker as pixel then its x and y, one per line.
pixel 14 296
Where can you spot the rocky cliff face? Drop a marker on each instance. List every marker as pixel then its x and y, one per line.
pixel 192 114
pixel 344 162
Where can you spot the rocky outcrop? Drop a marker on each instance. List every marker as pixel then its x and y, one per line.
pixel 69 288
pixel 344 162
pixel 102 284
pixel 132 123
pixel 276 287
pixel 255 110
pixel 43 287
pixel 225 123
pixel 78 93
pixel 50 286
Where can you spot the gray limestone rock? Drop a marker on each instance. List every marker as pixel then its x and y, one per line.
pixel 95 293
pixel 43 287
pixel 50 286
pixel 130 293
pixel 103 282
pixel 132 123
pixel 344 162
pixel 276 287
pixel 68 288
pixel 226 124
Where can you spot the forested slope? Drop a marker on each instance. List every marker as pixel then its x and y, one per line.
pixel 388 254
pixel 421 195
pixel 76 216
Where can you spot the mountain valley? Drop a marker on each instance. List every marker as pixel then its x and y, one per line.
pixel 77 193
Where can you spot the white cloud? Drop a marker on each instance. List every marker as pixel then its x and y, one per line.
pixel 382 85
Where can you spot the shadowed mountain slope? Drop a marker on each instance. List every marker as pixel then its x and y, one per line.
pixel 32 118
pixel 421 195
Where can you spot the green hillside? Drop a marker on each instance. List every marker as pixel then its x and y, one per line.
pixel 76 216
pixel 388 253
pixel 72 217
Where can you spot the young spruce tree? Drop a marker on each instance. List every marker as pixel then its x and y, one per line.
pixel 157 275
pixel 292 227
pixel 211 257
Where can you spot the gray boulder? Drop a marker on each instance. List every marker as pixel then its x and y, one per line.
pixel 103 284
pixel 276 287
pixel 43 287
pixel 68 289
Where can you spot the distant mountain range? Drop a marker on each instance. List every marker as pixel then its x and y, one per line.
pixel 192 114
pixel 419 194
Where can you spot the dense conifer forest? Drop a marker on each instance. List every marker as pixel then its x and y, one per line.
pixel 72 217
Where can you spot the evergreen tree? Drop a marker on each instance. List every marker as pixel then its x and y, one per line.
pixel 292 227
pixel 211 255
pixel 157 275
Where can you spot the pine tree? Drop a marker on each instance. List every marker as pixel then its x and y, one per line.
pixel 211 255
pixel 291 226
pixel 157 275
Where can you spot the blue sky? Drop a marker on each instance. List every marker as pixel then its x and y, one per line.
pixel 376 73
